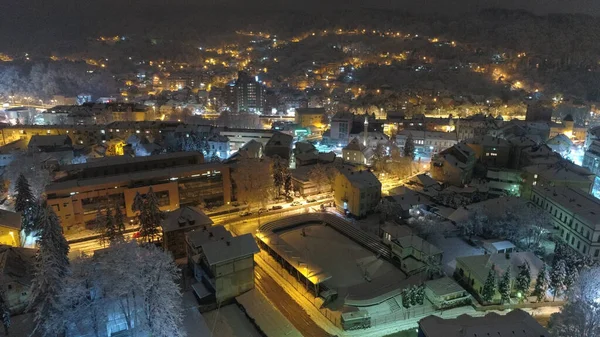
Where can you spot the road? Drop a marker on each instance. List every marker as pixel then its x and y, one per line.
pixel 286 305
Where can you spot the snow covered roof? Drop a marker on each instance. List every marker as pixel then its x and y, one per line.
pixel 581 204
pixel 198 237
pixel 516 323
pixel 227 250
pixel 561 170
pixel 495 206
pixel 123 160
pixel 185 217
pixel 49 141
pixel 418 243
pixel 10 219
pixel 361 179
pixel 498 245
pixel 354 145
pixel 310 111
pixel 427 181
pixel 304 147
pixel 480 265
pixel 433 135
pixel 443 286
pixel 488 141
pixel 396 231
pixel 265 315
pixel 280 139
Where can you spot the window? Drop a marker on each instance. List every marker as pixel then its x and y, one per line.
pixel 597 252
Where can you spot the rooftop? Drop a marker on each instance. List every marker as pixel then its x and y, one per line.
pixel 488 141
pixel 444 286
pixel 10 219
pixel 16 264
pixel 561 170
pixel 49 140
pixel 200 236
pixel 480 265
pixel 435 135
pixel 125 160
pixel 583 205
pixel 361 179
pixel 185 217
pixel 310 111
pixel 227 250
pixel 516 323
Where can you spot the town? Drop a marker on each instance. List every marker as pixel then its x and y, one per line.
pixel 347 181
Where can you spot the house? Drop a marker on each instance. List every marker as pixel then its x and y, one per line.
pixel 414 254
pixel 499 246
pixel 222 263
pixel 574 217
pixel 253 149
pixel 219 145
pixel 307 117
pixel 490 151
pixel 279 145
pixel 445 293
pixel 339 132
pixel 59 148
pixel 427 143
pixel 357 153
pixel 591 158
pixel 10 228
pixel 472 271
pixel 16 275
pixel 454 166
pixel 357 192
pixel 560 173
pixel 516 323
pixel 179 222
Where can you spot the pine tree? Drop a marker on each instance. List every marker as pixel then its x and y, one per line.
pixel 119 219
pixel 414 296
pixel 287 183
pixel 557 278
pixel 405 294
pixel 138 203
pixel 571 278
pixel 489 288
pixel 409 147
pixel 25 203
pixel 420 294
pixel 51 267
pixel 278 179
pixel 150 217
pixel 541 284
pixel 112 230
pixel 504 286
pixel 523 280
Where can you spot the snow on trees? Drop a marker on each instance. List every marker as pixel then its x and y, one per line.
pixel 541 284
pixel 150 216
pixel 30 166
pixel 107 292
pixel 254 181
pixel 557 278
pixel 523 280
pixel 318 175
pixel 580 316
pixel 504 286
pixel 51 267
pixel 26 203
pixel 489 288
pixel 409 147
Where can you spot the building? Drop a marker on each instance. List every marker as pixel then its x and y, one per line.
pixel 311 117
pixel 454 166
pixel 246 94
pixel 357 153
pixel 339 132
pixel 427 143
pixel 222 263
pixel 280 145
pixel 219 145
pixel 499 246
pixel 591 158
pixel 472 271
pixel 476 126
pixel 177 223
pixel 539 111
pixel 58 148
pixel 574 216
pixel 16 274
pixel 560 173
pixel 504 181
pixel 490 151
pixel 516 323
pixel 77 197
pixel 239 137
pixel 357 192
pixel 445 293
pixel 9 151
pixel 414 254
pixel 592 134
pixel 10 228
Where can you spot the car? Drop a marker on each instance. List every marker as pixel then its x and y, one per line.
pixel 137 235
pixel 245 213
pixel 295 203
pixel 311 200
pixel 276 207
pixel 262 210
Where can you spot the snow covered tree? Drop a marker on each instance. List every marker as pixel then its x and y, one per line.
pixel 23 196
pixel 409 147
pixel 557 278
pixel 523 280
pixel 571 278
pixel 278 173
pixel 138 203
pixel 318 176
pixel 150 217
pixel 119 218
pixel 541 284
pixel 405 294
pixel 504 286
pixel 51 267
pixel 287 183
pixel 580 316
pixel 420 294
pixel 489 288
pixel 4 314
pixel 111 230
pixel 254 181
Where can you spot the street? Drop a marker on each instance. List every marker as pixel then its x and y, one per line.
pixel 286 305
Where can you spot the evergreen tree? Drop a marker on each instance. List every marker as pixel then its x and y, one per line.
pixel 5 313
pixel 287 183
pixel 420 294
pixel 541 284
pixel 51 267
pixel 405 294
pixel 557 278
pixel 414 296
pixel 571 278
pixel 278 175
pixel 138 203
pixel 523 280
pixel 112 231
pixel 25 203
pixel 504 286
pixel 119 219
pixel 409 147
pixel 489 288
pixel 150 217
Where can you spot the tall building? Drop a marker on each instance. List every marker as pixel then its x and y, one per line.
pixel 246 94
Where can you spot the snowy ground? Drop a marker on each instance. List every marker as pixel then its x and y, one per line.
pixel 229 321
pixel 193 322
pixel 345 260
pixel 454 247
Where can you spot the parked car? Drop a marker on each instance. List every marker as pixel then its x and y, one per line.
pixel 137 235
pixel 262 210
pixel 276 207
pixel 295 203
pixel 245 213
